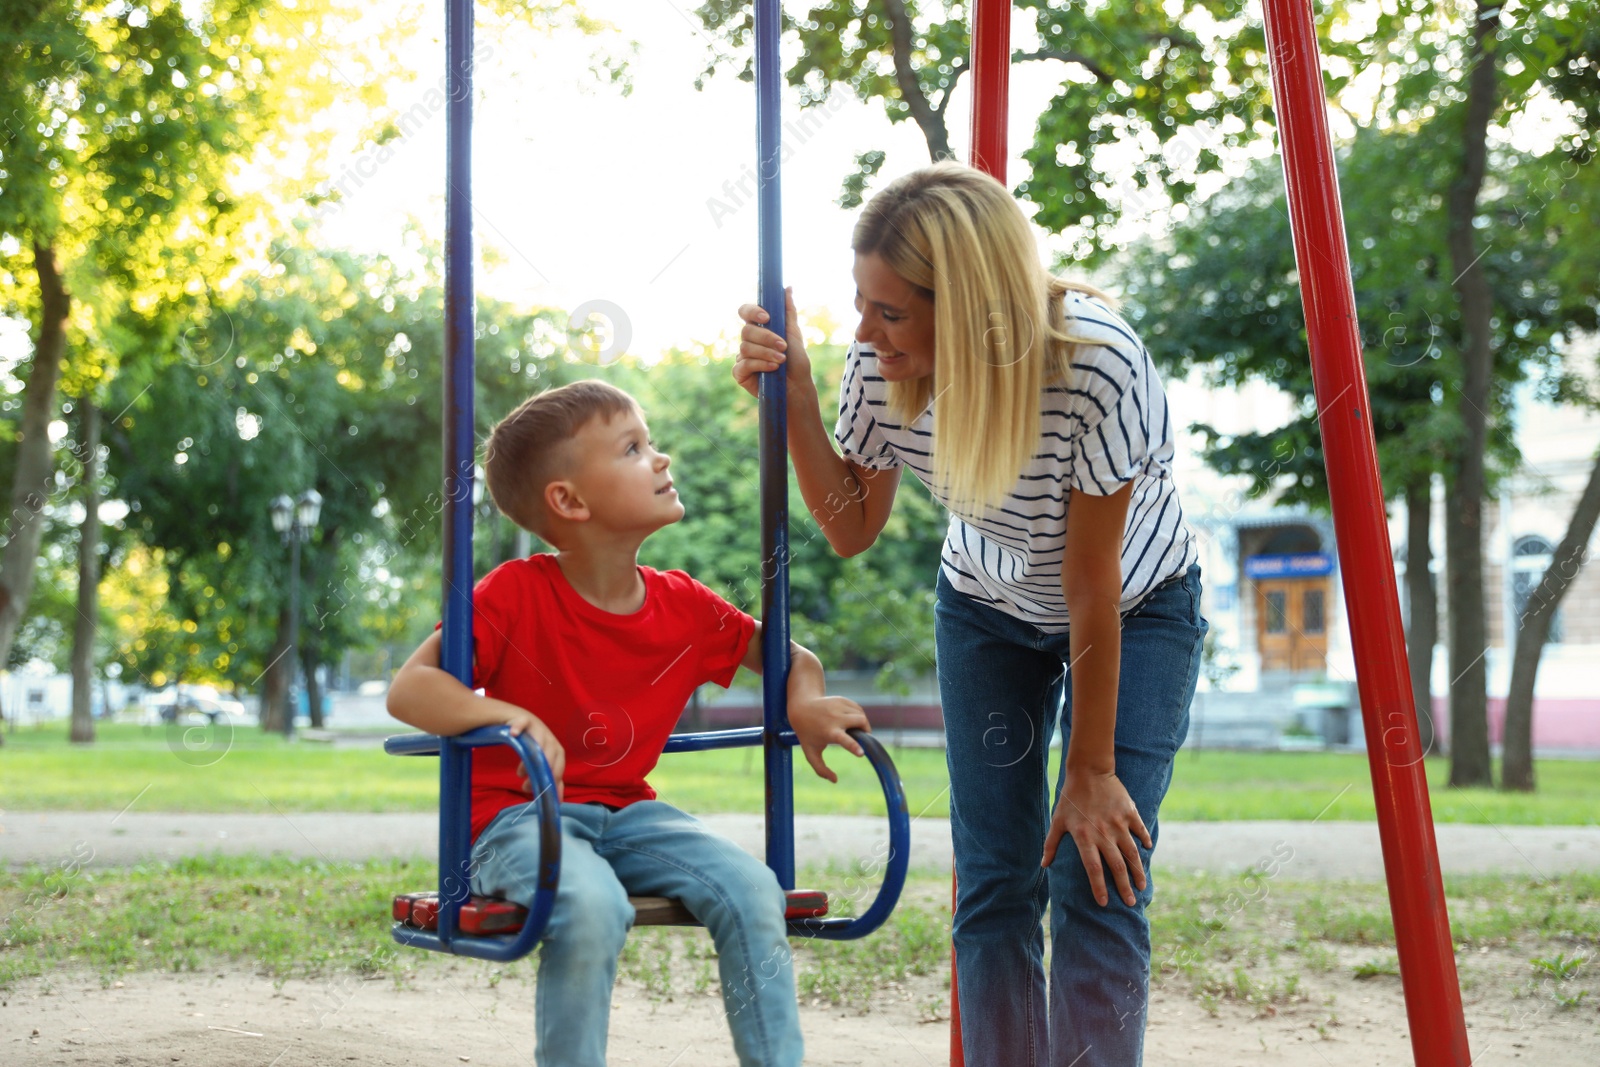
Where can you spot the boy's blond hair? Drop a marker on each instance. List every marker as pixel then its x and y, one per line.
pixel 533 446
pixel 958 237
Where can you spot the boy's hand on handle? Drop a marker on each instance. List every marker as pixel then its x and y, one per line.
pixel 522 721
pixel 762 350
pixel 823 722
pixel 1096 810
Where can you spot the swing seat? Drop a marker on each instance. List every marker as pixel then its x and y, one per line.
pixel 494 929
pixel 483 916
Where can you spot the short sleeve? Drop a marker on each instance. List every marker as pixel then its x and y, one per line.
pixel 857 432
pixel 494 603
pixel 1112 396
pixel 725 634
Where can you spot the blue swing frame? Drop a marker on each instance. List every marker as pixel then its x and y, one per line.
pixel 774 735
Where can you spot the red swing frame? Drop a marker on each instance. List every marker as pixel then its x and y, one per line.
pixel 1388 712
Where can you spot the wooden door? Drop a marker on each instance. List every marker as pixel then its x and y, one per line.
pixel 1292 623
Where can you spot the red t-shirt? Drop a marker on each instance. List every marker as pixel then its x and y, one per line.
pixel 610 687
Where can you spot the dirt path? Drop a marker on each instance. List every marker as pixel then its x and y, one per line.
pixel 455 1012
pixel 1326 849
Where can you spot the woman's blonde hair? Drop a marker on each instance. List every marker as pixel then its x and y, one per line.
pixel 956 235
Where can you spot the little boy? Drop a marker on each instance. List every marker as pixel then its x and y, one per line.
pixel 594 657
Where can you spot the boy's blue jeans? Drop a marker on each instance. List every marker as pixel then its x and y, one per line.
pixel 1000 680
pixel 648 848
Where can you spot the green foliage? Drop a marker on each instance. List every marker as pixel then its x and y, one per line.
pixel 1221 292
pixel 852 44
pixel 874 610
pixel 1177 86
pixel 848 42
pixel 322 373
pixel 855 184
pixel 325 372
pixel 1378 966
pixel 121 128
pixel 1147 79
pixel 1558 967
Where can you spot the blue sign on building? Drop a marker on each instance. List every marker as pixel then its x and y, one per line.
pixel 1289 565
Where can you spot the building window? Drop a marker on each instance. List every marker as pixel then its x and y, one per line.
pixel 1277 617
pixel 1312 612
pixel 1530 558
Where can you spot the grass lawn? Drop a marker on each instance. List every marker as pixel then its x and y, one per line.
pixel 1244 940
pixel 250 771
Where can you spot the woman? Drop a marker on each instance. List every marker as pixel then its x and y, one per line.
pixel 1053 454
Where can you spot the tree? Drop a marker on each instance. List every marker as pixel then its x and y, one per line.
pixel 1148 107
pixel 1516 772
pixel 1220 292
pixel 1506 56
pixel 120 126
pixel 1210 92
pixel 302 381
pixel 1469 709
pixel 1572 197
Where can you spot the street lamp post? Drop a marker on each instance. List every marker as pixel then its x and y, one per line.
pixel 294 520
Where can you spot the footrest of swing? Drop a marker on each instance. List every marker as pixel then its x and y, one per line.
pixel 481 916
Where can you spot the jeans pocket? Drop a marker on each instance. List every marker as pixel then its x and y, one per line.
pixel 1192 584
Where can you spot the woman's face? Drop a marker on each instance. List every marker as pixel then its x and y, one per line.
pixel 896 320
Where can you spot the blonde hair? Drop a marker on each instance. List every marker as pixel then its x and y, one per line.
pixel 532 446
pixel 955 234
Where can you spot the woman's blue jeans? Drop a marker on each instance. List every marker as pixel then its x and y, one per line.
pixel 1000 682
pixel 648 848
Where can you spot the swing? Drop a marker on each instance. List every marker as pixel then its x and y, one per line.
pixel 451 919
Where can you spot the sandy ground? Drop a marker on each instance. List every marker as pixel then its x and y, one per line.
pixel 455 1012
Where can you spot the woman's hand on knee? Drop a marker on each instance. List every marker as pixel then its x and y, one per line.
pixel 1103 821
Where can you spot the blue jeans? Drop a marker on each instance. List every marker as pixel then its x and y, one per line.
pixel 1000 682
pixel 648 848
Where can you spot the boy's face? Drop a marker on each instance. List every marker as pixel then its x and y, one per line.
pixel 621 478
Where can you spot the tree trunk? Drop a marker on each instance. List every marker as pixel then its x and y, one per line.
pixel 309 665
pixel 30 481
pixel 1469 703
pixel 1424 630
pixel 1565 563
pixel 928 119
pixel 275 680
pixel 84 628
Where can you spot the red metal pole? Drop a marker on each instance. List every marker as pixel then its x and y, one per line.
pixel 1366 562
pixel 957 1058
pixel 991 84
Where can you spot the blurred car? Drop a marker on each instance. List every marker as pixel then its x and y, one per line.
pixel 192 703
pixel 213 708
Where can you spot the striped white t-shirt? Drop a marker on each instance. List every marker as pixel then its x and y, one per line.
pixel 1107 426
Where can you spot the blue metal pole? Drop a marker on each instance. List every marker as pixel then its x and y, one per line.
pixel 774 456
pixel 455 761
